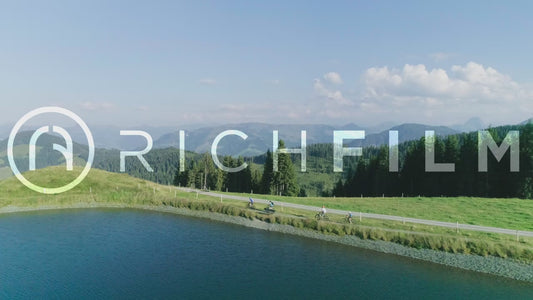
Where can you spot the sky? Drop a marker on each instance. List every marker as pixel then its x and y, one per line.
pixel 173 63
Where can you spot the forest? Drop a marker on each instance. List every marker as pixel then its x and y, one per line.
pixel 367 175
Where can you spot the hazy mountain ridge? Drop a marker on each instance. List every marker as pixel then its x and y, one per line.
pixel 406 132
pixel 260 137
pixel 258 141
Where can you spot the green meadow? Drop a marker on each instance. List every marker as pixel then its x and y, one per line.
pixel 504 213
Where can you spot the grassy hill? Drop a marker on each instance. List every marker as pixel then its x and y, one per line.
pixel 45 155
pixel 98 183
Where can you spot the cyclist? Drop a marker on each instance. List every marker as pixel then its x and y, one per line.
pixel 251 204
pixel 322 214
pixel 349 216
pixel 323 211
pixel 271 205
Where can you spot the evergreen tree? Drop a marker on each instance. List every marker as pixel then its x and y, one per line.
pixel 338 190
pixel 268 174
pixel 451 155
pixel 246 176
pixel 208 176
pixel 525 177
pixel 284 181
pixel 256 180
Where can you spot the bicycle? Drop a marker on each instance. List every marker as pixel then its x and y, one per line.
pixel 348 219
pixel 321 216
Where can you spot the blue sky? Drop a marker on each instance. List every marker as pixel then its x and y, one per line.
pixel 198 62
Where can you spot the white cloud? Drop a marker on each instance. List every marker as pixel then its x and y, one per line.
pixel 275 81
pixel 97 106
pixel 207 81
pixel 333 77
pixel 465 91
pixel 472 82
pixel 331 96
pixel 412 93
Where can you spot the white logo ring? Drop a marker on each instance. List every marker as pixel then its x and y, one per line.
pixel 24 119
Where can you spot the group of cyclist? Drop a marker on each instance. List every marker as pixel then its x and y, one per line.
pixel 322 213
pixel 251 204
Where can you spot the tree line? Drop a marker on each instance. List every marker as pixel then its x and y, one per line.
pixel 370 175
pixel 204 174
pixel 367 175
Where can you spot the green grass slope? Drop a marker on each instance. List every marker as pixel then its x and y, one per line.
pixel 508 213
pixel 98 185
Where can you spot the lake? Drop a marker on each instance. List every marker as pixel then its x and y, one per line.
pixel 103 253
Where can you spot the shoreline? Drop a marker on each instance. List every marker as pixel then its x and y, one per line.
pixel 496 266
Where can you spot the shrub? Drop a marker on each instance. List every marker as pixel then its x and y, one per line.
pixel 311 224
pixel 298 223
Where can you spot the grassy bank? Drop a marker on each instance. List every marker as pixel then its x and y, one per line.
pixel 410 239
pixel 116 189
pixel 504 213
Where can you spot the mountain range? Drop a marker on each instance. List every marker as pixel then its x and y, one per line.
pixel 259 139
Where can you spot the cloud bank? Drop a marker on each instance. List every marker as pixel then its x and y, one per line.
pixel 410 94
pixel 472 82
pixel 461 92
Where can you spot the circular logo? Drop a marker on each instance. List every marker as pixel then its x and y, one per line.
pixel 39 111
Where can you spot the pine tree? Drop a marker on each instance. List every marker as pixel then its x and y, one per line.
pixel 284 181
pixel 525 177
pixel 338 190
pixel 207 174
pixel 451 154
pixel 268 174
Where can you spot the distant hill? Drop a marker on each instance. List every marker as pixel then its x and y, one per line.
pixel 472 124
pixel 260 136
pixel 163 161
pixel 528 121
pixel 199 140
pixel 406 132
pixel 108 137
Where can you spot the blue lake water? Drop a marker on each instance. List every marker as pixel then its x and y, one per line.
pixel 136 254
